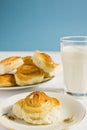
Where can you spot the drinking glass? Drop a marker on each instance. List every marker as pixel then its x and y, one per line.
pixel 74 59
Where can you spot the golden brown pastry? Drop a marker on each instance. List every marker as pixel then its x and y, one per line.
pixel 7 80
pixel 28 60
pixel 37 108
pixel 28 74
pixel 45 62
pixel 9 64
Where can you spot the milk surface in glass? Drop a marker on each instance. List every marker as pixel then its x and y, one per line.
pixel 75 68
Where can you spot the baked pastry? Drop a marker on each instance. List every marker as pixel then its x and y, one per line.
pixel 7 80
pixel 28 74
pixel 37 108
pixel 9 64
pixel 28 60
pixel 45 62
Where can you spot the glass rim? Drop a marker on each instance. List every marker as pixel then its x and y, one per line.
pixel 73 39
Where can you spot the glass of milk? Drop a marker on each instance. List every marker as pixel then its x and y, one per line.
pixel 74 59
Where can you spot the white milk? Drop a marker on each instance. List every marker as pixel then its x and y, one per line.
pixel 75 68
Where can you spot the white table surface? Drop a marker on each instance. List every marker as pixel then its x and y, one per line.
pixel 52 85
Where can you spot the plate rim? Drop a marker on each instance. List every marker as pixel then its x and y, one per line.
pixel 46 80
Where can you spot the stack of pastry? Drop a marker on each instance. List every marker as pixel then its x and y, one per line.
pixel 37 108
pixel 28 70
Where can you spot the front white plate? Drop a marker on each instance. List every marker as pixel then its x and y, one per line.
pixel 70 109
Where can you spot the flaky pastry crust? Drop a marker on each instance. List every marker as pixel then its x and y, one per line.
pixel 7 80
pixel 37 108
pixel 28 60
pixel 28 74
pixel 9 64
pixel 44 61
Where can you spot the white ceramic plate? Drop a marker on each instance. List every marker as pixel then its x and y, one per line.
pixel 70 109
pixel 26 86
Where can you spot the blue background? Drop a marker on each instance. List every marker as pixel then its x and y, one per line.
pixel 27 25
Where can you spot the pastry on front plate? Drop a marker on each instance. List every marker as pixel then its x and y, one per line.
pixel 37 108
pixel 28 74
pixel 45 62
pixel 9 64
pixel 7 80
